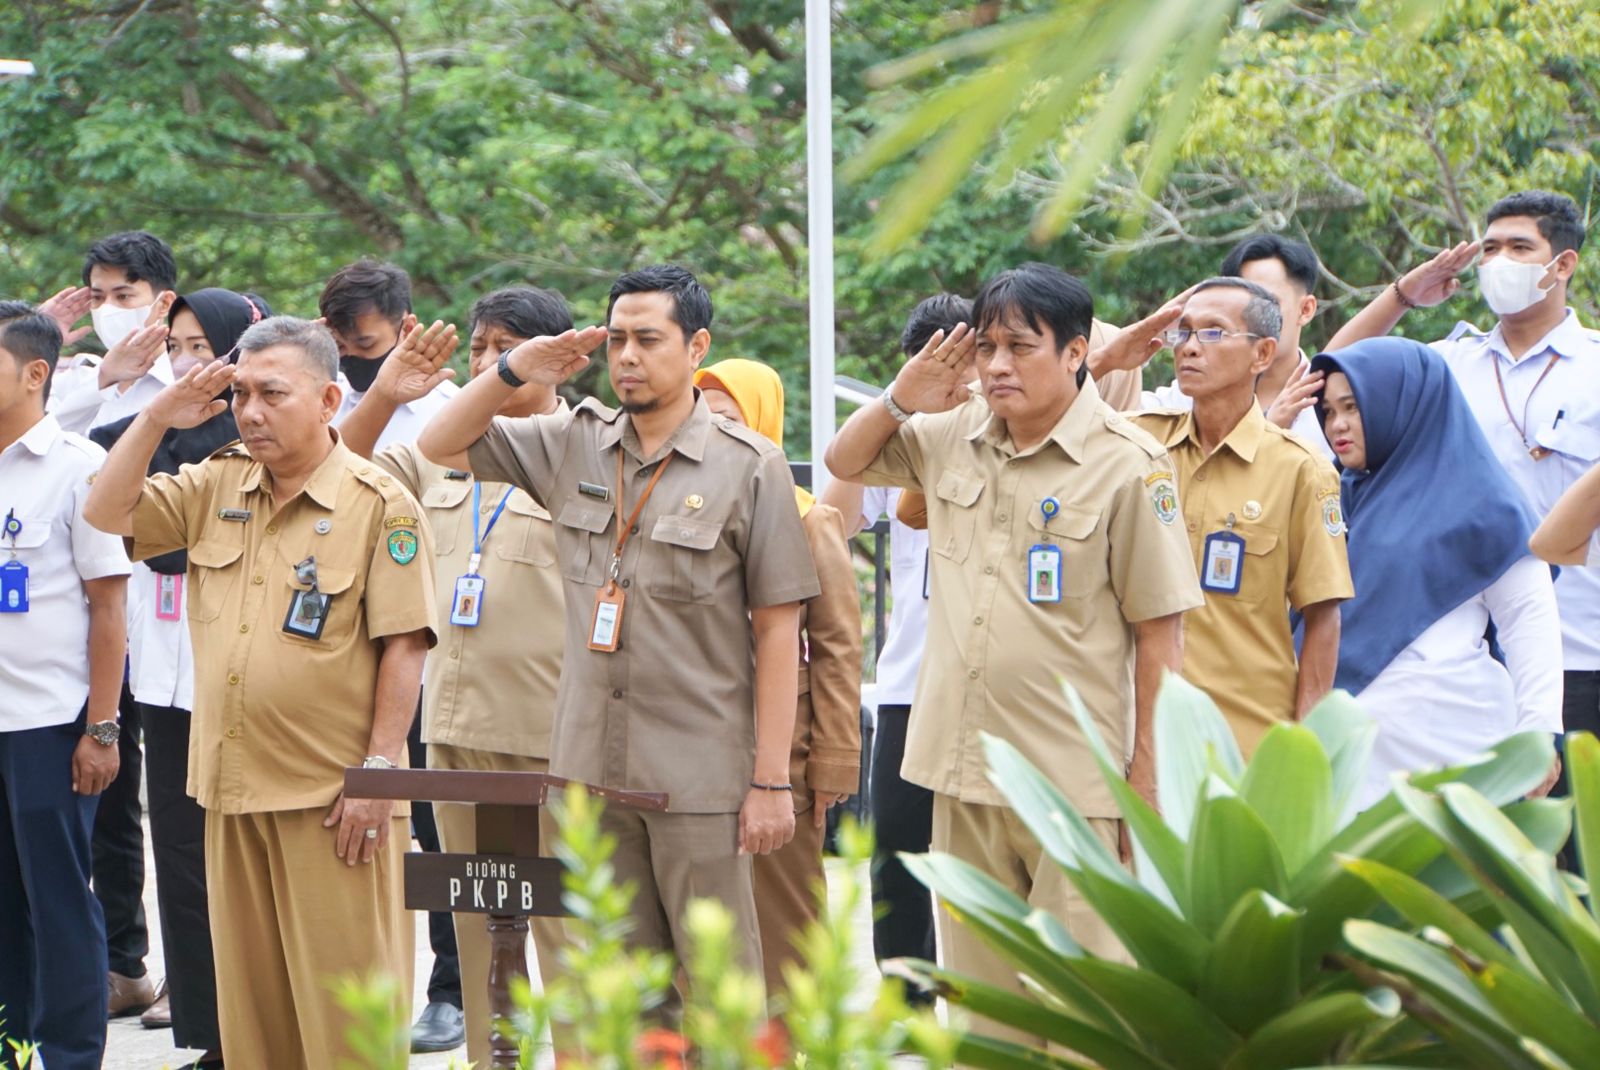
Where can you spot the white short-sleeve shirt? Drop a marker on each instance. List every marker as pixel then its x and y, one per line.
pixel 44 653
pixel 907 629
pixel 408 420
pixel 1553 392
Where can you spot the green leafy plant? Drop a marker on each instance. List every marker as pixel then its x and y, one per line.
pixel 1235 914
pixel 1514 983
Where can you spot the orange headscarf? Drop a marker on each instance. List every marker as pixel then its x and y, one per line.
pixel 758 391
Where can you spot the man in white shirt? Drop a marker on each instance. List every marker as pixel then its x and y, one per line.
pixel 1532 381
pixel 62 634
pixel 1287 269
pixel 902 812
pixel 367 306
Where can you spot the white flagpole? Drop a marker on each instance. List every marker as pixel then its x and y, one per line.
pixel 819 226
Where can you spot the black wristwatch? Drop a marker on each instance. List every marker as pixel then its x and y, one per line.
pixel 509 377
pixel 105 733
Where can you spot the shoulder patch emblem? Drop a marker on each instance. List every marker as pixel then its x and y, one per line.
pixel 1163 496
pixel 402 546
pixel 400 522
pixel 1333 515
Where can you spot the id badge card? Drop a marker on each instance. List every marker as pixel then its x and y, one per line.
pixel 1044 574
pixel 169 597
pixel 308 613
pixel 13 587
pixel 605 628
pixel 1222 566
pixel 467 606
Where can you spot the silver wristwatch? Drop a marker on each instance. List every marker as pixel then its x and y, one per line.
pixel 105 733
pixel 376 761
pixel 900 415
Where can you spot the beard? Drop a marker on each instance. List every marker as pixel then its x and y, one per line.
pixel 634 408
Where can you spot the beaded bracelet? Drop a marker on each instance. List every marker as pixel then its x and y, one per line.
pixel 772 787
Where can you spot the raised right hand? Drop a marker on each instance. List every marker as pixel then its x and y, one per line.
pixel 1133 346
pixel 417 364
pixel 132 357
pixel 66 308
pixel 935 380
pixel 192 400
pixel 1437 280
pixel 553 361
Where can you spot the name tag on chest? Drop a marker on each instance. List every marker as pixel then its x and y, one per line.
pixel 1222 564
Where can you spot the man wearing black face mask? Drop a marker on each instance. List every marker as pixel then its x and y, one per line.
pixel 367 306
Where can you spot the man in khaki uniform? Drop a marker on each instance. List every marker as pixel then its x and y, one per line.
pixel 1261 509
pixel 684 562
pixel 488 696
pixel 310 589
pixel 1056 555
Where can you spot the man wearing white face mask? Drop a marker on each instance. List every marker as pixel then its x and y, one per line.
pixel 131 279
pixel 1533 383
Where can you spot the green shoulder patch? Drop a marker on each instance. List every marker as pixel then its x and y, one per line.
pixel 402 546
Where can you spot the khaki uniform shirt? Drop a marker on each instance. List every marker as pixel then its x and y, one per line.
pixel 491 687
pixel 995 661
pixel 277 716
pixel 826 755
pixel 673 709
pixel 1284 501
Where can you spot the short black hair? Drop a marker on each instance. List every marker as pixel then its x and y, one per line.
pixel 1560 222
pixel 1040 294
pixel 140 255
pixel 525 311
pixel 366 285
pixel 29 335
pixel 1262 314
pixel 941 312
pixel 691 304
pixel 1299 260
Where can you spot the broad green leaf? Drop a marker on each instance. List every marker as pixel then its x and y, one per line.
pixel 1540 1013
pixel 1063 832
pixel 1289 783
pixel 1171 1023
pixel 1188 728
pixel 987 1053
pixel 1158 939
pixel 1253 970
pixel 1583 773
pixel 1424 908
pixel 1306 1033
pixel 1347 733
pixel 1231 853
pixel 1161 846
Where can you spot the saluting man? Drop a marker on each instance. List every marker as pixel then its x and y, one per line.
pixel 311 609
pixel 1056 554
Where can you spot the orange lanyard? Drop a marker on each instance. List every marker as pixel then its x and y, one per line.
pixel 1538 452
pixel 624 530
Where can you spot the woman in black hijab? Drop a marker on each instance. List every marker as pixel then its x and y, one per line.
pixel 202 327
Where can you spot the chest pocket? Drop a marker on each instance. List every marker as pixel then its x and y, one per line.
pixel 34 534
pixel 1264 573
pixel 527 537
pixel 1571 437
pixel 680 558
pixel 443 503
pixel 342 608
pixel 1084 569
pixel 957 493
pixel 587 555
pixel 214 567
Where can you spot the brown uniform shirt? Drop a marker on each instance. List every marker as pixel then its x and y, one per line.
pixel 279 716
pixel 995 661
pixel 827 729
pixel 1283 499
pixel 673 709
pixel 491 687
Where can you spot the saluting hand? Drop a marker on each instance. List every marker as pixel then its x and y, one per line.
pixel 66 308
pixel 1132 347
pixel 935 380
pixel 417 364
pixel 1436 281
pixel 132 357
pixel 1297 395
pixel 189 401
pixel 553 361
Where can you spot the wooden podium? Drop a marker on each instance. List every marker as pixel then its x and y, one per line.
pixel 505 880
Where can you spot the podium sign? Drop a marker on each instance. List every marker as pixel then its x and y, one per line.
pixel 484 884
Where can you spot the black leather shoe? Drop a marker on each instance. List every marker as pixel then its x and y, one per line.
pixel 440 1027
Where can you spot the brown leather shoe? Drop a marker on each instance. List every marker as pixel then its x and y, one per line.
pixel 130 995
pixel 159 1016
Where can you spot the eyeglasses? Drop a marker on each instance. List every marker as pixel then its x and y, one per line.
pixel 1204 335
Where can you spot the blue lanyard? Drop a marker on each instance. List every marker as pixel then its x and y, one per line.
pixel 477 516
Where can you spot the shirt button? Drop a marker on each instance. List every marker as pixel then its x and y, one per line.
pixel 454 654
pixel 233 733
pixel 258 581
pixel 626 582
pixel 634 530
pixel 244 628
pixel 1194 525
pixel 977 620
pixel 272 529
pixel 233 678
pixel 1200 477
pixel 616 694
pixel 988 570
pixel 1001 519
pixel 972 673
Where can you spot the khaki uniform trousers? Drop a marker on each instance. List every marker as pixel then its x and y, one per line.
pixel 673 859
pixel 458 834
pixel 994 839
pixel 789 894
pixel 289 921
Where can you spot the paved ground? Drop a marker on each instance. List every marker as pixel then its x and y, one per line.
pixel 132 1047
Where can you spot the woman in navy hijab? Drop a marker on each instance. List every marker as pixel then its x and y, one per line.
pixel 1438 542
